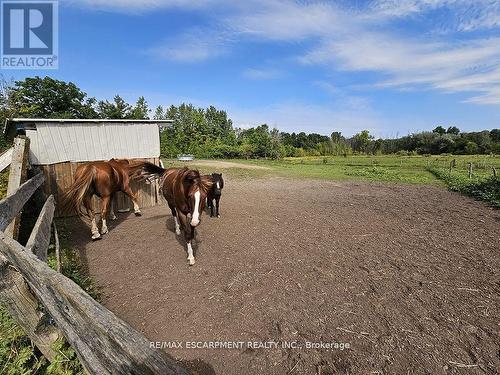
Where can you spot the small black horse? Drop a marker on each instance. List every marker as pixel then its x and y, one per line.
pixel 215 193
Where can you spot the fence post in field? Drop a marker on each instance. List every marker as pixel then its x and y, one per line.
pixel 453 163
pixel 470 169
pixel 17 175
pixel 494 172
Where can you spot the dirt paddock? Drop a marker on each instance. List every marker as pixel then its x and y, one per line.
pixel 408 276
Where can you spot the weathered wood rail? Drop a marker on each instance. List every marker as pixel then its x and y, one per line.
pixel 5 159
pixel 103 343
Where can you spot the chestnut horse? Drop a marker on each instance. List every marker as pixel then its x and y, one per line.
pixel 185 191
pixel 104 179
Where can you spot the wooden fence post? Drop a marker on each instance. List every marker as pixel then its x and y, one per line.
pixel 470 169
pixel 453 163
pixel 17 175
pixel 23 306
pixel 14 292
pixel 39 240
pixel 104 343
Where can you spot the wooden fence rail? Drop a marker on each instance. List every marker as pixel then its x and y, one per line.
pixel 5 159
pixel 104 343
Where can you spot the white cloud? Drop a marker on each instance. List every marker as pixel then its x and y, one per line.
pixel 191 47
pixel 286 20
pixel 262 74
pixel 350 39
pixel 448 67
pixel 461 15
pixel 449 55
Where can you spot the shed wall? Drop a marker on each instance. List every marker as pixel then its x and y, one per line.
pixel 60 176
pixel 54 142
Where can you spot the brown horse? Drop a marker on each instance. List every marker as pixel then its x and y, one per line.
pixel 185 191
pixel 104 179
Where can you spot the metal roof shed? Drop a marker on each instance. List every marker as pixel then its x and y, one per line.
pixel 78 140
pixel 57 146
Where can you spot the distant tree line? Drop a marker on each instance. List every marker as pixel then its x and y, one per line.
pixel 208 132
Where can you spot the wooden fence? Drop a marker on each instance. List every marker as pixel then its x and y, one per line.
pixel 103 343
pixel 60 176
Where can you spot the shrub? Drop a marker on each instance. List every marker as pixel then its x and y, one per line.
pixel 485 188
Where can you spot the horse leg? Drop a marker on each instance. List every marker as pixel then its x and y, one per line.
pixel 87 202
pixel 104 213
pixel 217 199
pixel 133 196
pixel 177 225
pixel 188 236
pixel 211 207
pixel 112 215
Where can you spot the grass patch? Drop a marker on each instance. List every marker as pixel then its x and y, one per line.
pixel 4 181
pixel 481 187
pixel 385 168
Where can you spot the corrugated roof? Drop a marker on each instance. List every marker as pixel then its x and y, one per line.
pixel 76 140
pixel 10 123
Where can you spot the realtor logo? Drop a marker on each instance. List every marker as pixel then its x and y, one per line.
pixel 29 34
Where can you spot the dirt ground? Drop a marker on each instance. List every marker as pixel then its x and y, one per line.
pixel 408 276
pixel 226 164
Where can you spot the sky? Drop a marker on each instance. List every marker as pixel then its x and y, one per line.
pixel 391 67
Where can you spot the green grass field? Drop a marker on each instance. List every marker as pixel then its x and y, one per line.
pixel 431 170
pixel 388 168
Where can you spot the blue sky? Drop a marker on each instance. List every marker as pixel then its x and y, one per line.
pixel 392 67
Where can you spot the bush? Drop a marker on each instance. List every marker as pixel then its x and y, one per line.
pixel 486 189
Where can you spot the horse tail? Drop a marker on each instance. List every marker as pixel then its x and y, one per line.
pixel 144 169
pixel 73 198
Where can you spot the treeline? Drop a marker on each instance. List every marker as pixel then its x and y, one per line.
pixel 209 133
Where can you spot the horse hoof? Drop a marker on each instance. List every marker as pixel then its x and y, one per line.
pixel 96 236
pixel 113 217
pixel 104 230
pixel 191 262
pixel 138 213
pixel 178 232
pixel 218 216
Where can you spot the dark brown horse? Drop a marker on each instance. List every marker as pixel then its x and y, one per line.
pixel 185 191
pixel 104 179
pixel 215 193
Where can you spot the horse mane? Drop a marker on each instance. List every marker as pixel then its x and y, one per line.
pixel 204 183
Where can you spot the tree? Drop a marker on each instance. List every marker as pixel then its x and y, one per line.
pixel 361 141
pixel 439 130
pixel 259 139
pixel 159 113
pixel 471 148
pixel 118 109
pixel 336 137
pixel 453 130
pixel 141 110
pixel 49 98
pixel 495 135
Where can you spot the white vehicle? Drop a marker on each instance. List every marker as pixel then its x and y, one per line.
pixel 185 157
